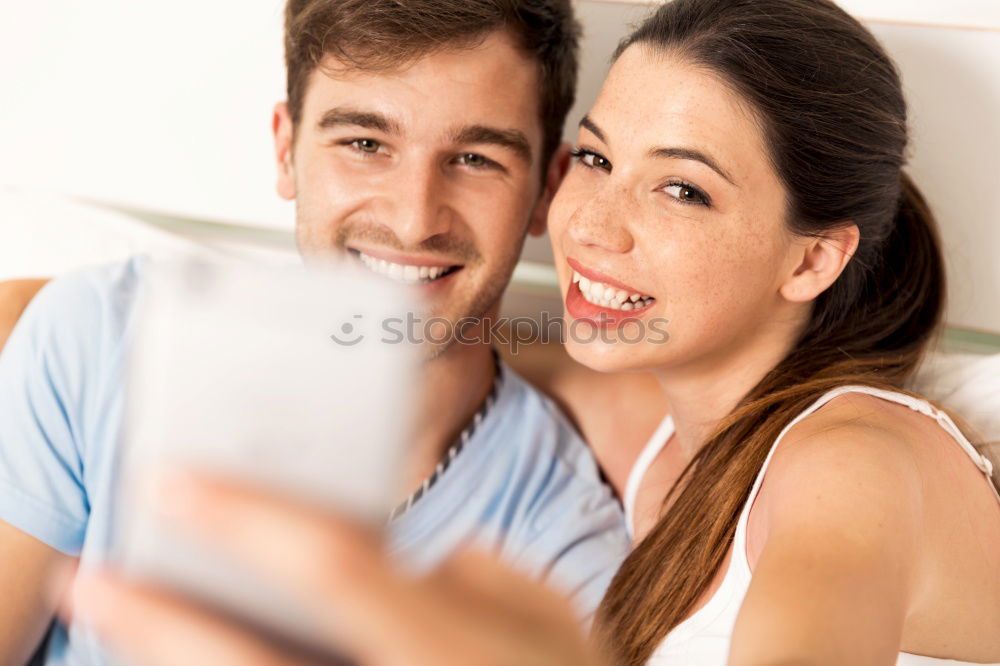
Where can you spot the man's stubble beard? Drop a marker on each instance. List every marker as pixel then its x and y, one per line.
pixel 484 301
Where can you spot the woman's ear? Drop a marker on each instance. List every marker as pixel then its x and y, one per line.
pixel 820 261
pixel 557 168
pixel 281 126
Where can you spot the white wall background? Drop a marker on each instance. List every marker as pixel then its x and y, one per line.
pixel 970 13
pixel 167 106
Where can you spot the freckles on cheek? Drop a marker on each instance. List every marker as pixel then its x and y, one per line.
pixel 748 252
pixel 718 277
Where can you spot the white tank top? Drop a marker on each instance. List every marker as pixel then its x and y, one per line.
pixel 703 638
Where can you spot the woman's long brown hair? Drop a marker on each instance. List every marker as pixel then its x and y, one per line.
pixel 830 104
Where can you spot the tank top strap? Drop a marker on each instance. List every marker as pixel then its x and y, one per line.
pixel 922 406
pixel 656 443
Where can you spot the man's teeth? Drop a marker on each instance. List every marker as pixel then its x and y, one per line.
pixel 610 297
pixel 402 272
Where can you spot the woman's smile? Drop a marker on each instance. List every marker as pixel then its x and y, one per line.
pixel 599 299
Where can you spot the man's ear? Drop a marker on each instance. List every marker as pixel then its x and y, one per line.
pixel 820 261
pixel 281 126
pixel 558 166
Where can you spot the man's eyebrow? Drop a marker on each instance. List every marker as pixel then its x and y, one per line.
pixel 691 154
pixel 372 120
pixel 589 125
pixel 513 140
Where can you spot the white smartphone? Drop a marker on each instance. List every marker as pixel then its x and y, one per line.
pixel 276 376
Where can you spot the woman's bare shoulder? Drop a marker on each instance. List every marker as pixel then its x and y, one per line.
pixel 861 455
pixel 858 428
pixel 853 434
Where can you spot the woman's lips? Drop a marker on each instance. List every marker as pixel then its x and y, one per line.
pixel 606 301
pixel 602 317
pixel 597 276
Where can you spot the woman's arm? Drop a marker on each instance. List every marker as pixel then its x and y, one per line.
pixel 839 519
pixel 27 610
pixel 831 585
pixel 471 610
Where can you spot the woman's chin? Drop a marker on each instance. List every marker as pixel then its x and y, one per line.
pixel 606 356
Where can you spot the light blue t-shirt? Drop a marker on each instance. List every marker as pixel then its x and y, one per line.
pixel 525 484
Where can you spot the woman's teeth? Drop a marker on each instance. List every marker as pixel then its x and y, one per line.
pixel 610 297
pixel 403 272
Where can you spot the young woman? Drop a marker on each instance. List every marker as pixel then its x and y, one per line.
pixel 740 178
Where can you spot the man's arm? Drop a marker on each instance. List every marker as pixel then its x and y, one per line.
pixel 14 297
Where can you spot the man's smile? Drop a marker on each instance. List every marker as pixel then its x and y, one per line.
pixel 409 270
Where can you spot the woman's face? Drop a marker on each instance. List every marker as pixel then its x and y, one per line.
pixel 673 216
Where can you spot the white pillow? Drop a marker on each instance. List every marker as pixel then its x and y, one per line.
pixel 46 235
pixel 969 384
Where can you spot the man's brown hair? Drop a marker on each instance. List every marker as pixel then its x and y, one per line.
pixel 384 34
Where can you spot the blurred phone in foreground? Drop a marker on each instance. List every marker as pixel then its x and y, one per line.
pixel 276 376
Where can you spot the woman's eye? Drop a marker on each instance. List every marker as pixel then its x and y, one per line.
pixel 367 145
pixel 686 194
pixel 592 160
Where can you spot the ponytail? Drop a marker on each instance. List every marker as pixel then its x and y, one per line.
pixel 913 255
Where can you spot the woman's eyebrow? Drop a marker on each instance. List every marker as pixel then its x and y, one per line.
pixel 691 154
pixel 588 124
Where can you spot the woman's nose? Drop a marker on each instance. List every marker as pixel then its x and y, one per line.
pixel 601 223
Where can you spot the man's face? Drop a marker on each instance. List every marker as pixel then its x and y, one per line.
pixel 430 174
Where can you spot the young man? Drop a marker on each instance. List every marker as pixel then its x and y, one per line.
pixel 422 139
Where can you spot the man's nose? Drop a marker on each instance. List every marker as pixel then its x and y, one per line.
pixel 419 208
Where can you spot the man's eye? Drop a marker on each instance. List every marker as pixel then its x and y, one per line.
pixel 475 161
pixel 687 194
pixel 367 145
